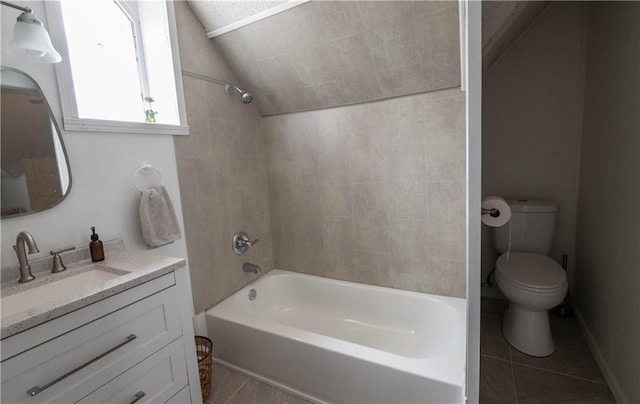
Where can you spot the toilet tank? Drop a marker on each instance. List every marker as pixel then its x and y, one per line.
pixel 532 227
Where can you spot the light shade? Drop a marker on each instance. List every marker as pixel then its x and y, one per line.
pixel 31 42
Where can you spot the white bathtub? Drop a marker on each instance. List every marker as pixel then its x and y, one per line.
pixel 343 342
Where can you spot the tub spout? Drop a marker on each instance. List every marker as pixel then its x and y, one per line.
pixel 248 267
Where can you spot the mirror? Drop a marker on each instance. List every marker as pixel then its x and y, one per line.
pixel 35 169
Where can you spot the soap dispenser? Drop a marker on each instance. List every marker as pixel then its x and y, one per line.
pixel 95 246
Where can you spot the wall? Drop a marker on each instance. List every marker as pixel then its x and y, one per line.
pixel 102 194
pixel 372 193
pixel 607 280
pixel 531 122
pixel 222 171
pixel 330 53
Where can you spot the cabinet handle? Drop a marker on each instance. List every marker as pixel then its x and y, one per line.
pixel 137 397
pixel 37 389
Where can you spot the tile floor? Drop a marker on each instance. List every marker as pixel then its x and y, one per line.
pixel 569 375
pixel 507 376
pixel 231 387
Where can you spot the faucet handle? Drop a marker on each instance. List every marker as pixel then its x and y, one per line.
pixel 241 243
pixel 62 249
pixel 58 266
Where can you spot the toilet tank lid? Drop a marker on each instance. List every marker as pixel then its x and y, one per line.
pixel 532 205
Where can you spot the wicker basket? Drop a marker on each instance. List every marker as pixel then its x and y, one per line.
pixel 204 349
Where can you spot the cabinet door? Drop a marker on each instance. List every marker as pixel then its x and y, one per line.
pixel 183 397
pixel 154 380
pixel 73 365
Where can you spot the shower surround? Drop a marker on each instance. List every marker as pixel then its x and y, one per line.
pixel 221 168
pixel 372 192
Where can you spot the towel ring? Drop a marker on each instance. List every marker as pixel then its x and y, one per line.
pixel 145 169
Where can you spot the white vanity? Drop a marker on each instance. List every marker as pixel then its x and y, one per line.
pixel 124 336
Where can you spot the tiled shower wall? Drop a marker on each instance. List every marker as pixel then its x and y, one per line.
pixel 372 193
pixel 221 170
pixel 330 53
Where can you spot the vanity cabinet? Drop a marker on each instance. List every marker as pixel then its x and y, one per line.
pixel 135 346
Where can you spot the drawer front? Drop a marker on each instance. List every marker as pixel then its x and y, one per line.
pixel 154 380
pixel 73 365
pixel 25 340
pixel 183 397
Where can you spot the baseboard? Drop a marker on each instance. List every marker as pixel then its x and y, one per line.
pixel 270 382
pixel 617 392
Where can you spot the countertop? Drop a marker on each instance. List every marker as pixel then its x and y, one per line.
pixel 140 267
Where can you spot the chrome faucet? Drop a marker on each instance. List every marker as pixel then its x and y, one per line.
pixel 248 267
pixel 241 243
pixel 25 238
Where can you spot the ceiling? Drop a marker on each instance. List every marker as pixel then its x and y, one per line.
pixel 503 22
pixel 218 14
pixel 327 53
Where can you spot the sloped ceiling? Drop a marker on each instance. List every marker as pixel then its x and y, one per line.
pixel 503 22
pixel 324 53
pixel 217 14
pixel 328 53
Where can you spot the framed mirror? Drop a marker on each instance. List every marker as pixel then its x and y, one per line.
pixel 35 169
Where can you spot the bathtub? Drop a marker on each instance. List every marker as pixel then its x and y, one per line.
pixel 343 342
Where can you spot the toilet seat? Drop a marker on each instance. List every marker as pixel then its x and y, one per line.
pixel 533 272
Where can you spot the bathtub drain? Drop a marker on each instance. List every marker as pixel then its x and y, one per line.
pixel 252 294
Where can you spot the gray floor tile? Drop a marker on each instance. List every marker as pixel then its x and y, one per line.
pixel 492 342
pixel 254 392
pixel 573 363
pixel 225 382
pixel 539 386
pixel 566 334
pixel 493 307
pixel 496 381
pixel 572 355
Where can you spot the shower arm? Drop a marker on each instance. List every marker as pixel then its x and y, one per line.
pixel 211 79
pixel 228 87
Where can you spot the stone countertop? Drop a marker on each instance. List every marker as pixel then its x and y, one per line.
pixel 140 267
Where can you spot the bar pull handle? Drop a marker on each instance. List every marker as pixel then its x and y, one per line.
pixel 37 389
pixel 137 397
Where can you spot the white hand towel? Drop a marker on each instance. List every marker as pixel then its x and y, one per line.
pixel 158 218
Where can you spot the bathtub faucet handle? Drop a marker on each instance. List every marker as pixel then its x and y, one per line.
pixel 241 243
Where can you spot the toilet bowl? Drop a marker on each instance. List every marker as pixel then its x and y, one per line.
pixel 533 283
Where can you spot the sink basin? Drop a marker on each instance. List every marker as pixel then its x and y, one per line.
pixel 55 287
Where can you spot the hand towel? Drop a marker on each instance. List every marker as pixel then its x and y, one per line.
pixel 158 218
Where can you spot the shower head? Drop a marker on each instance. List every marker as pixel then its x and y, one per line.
pixel 245 96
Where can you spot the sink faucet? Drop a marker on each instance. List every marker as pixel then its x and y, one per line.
pixel 25 238
pixel 248 267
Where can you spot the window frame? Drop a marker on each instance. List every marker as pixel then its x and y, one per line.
pixel 136 30
pixel 70 117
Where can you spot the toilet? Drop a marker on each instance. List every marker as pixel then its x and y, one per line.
pixel 533 282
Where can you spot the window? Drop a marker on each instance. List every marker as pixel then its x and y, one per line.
pixel 118 66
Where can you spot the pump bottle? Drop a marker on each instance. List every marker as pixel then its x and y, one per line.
pixel 95 246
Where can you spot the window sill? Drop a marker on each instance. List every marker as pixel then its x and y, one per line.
pixel 99 125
